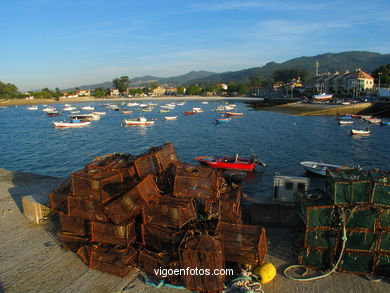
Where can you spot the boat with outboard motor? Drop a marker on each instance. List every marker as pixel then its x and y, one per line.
pixel 231 163
pixel 320 168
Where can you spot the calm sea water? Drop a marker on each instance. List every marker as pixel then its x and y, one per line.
pixel 30 142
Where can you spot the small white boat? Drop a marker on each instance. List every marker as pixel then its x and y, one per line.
pixel 170 117
pixel 139 121
pixel 99 113
pixel 320 168
pixel 360 131
pixel 345 122
pixel 71 124
pixel 205 103
pixel 374 120
pixel 180 103
pixel 234 114
pixel 132 104
pixel 88 108
pixel 197 110
pixel 32 108
pixel 69 108
pixel 48 109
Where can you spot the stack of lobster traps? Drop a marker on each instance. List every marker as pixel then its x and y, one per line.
pixel 156 213
pixel 351 229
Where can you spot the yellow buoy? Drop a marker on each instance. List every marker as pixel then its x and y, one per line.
pixel 266 272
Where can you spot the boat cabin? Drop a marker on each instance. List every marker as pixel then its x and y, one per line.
pixel 286 186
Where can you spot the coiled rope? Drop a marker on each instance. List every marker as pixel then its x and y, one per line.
pixel 343 239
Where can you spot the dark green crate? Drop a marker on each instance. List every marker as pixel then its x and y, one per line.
pixel 361 217
pixel 384 242
pixel 317 258
pixel 384 218
pixel 321 216
pixel 348 186
pixel 322 238
pixel 358 263
pixel 382 267
pixel 361 240
pixel 379 187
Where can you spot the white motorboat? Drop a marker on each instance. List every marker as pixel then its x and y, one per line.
pixel 170 117
pixel 88 108
pixel 139 121
pixel 72 124
pixel 320 168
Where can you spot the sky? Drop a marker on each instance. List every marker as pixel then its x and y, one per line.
pixel 68 43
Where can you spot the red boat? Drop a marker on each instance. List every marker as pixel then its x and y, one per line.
pixel 189 112
pixel 231 163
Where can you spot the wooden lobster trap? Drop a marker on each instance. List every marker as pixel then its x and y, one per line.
pixel 122 235
pixel 59 196
pixel 244 244
pixel 97 184
pixel 204 253
pixel 86 209
pixel 202 182
pixel 171 212
pixel 111 260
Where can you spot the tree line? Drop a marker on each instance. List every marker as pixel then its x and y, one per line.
pixel 281 76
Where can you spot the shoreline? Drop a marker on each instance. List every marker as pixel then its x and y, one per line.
pixel 22 102
pixel 317 109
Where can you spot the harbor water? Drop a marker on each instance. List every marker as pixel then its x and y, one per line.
pixel 31 143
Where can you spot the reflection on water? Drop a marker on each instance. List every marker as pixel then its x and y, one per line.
pixel 31 143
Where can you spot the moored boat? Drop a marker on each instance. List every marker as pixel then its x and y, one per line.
pixel 320 168
pixel 170 117
pixel 233 114
pixel 53 113
pixel 223 120
pixel 345 122
pixel 88 108
pixel 384 123
pixel 32 108
pixel 190 112
pixel 360 131
pixel 139 121
pixel 323 97
pixel 374 120
pixel 74 123
pixel 230 163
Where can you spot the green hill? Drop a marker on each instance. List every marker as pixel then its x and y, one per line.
pixel 329 62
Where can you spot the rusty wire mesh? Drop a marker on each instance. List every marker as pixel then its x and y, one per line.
pixel 147 164
pixel 123 235
pixel 86 209
pixel 126 207
pixel 73 225
pixel 110 260
pixel 96 184
pixel 170 211
pixel 166 155
pixel 244 244
pixel 198 182
pixel 70 241
pixel 203 252
pixel 162 238
pixel 59 196
pixel 151 260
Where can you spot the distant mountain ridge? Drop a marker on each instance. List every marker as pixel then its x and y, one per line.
pixel 328 62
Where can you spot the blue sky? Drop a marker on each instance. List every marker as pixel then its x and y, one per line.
pixel 66 43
